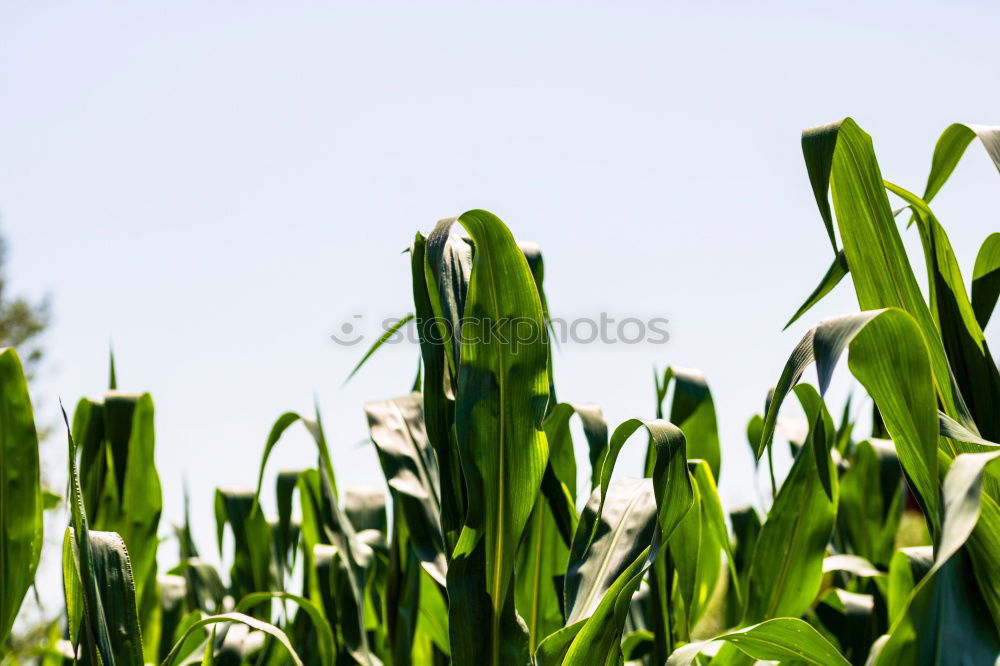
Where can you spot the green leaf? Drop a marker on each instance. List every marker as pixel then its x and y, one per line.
pixel 608 566
pixel 350 562
pixel 696 557
pixel 871 501
pixel 893 365
pixel 674 491
pixel 838 269
pixel 623 519
pixel 365 508
pixel 559 490
pixel 890 360
pixel 879 266
pixel 787 568
pixel 948 427
pixel 502 390
pixel 141 497
pixel 315 428
pixel 112 378
pixel 818 147
pixel 666 463
pixel 926 625
pixel 852 564
pixel 253 623
pixel 389 332
pixel 746 528
pixel 410 468
pixel 20 491
pixel 402 592
pixel 824 343
pixel 541 565
pixel 693 410
pixel 623 522
pixel 950 148
pixel 974 370
pixel 322 627
pixel 117 594
pixel 544 551
pixel 986 279
pixel 780 639
pixel 94 631
pixel 208 659
pixel 252 569
pixel 716 519
pixel 286 544
pixel 819 436
pixel 439 403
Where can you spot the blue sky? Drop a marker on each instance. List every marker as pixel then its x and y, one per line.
pixel 216 187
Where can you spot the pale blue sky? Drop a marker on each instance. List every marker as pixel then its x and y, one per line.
pixel 217 186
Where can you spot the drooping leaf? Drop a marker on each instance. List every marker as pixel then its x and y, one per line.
pixel 597 637
pixel 897 375
pixel 950 148
pixel 779 639
pixel 880 269
pixel 544 550
pixel 321 626
pixel 693 411
pixel 986 279
pixel 253 623
pixel 315 429
pixel 600 582
pixel 818 147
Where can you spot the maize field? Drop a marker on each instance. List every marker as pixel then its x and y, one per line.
pixel 477 553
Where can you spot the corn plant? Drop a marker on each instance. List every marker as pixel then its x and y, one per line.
pixel 872 549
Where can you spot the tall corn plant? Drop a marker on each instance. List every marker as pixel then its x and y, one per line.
pixel 480 555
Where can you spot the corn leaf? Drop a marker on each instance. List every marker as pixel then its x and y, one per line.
pixel 693 410
pixel 787 567
pixel 780 639
pixel 986 279
pixel 253 623
pixel 623 520
pixel 94 633
pixel 872 246
pixel 502 390
pixel 322 627
pixel 975 372
pixel 439 404
pixel 937 611
pixel 117 594
pixel 410 468
pixel 871 501
pixel 950 148
pixel 20 491
pixel 838 269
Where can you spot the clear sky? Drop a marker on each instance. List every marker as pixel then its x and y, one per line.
pixel 217 187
